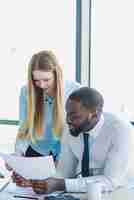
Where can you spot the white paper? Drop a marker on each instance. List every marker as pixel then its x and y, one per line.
pixel 4 183
pixel 37 168
pixel 12 188
pixel 3 169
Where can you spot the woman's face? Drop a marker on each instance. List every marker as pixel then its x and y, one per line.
pixel 45 80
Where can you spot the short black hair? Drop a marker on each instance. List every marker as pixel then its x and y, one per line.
pixel 88 97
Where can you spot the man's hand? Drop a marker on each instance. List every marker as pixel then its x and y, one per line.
pixel 20 181
pixel 47 186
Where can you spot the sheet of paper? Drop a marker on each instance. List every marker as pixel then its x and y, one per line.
pixel 4 183
pixel 36 168
pixel 12 188
pixel 3 169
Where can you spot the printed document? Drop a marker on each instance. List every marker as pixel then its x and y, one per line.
pixel 36 168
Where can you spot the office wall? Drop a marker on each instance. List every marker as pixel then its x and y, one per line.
pixel 27 27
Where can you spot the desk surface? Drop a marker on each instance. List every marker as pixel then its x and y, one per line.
pixel 120 194
pixel 7 196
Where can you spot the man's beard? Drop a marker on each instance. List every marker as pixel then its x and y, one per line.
pixel 84 126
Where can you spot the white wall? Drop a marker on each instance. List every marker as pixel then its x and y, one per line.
pixel 27 27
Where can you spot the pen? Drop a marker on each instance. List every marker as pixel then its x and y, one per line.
pixel 25 197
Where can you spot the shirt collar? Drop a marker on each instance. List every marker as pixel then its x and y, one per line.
pixel 48 99
pixel 95 131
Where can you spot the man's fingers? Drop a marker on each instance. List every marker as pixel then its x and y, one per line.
pixel 40 186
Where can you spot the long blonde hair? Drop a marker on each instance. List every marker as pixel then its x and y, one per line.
pixel 33 126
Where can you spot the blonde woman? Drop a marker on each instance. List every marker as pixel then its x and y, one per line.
pixel 42 103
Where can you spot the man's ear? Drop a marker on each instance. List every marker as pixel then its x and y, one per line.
pixel 89 116
pixel 92 114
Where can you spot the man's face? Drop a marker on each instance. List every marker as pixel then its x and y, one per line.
pixel 78 117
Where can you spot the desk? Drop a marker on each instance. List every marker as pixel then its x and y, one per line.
pixel 120 194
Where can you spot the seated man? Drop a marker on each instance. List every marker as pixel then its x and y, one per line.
pixel 99 147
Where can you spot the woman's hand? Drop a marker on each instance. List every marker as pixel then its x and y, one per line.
pixel 20 181
pixel 8 167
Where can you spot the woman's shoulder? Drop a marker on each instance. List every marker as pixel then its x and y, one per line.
pixel 71 83
pixel 23 90
pixel 70 86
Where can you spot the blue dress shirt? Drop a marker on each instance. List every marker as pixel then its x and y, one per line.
pixel 49 142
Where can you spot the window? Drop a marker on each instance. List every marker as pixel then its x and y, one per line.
pixel 112 63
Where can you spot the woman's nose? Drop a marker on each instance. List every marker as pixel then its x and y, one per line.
pixel 43 84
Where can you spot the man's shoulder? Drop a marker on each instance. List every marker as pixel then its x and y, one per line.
pixel 117 123
pixel 112 117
